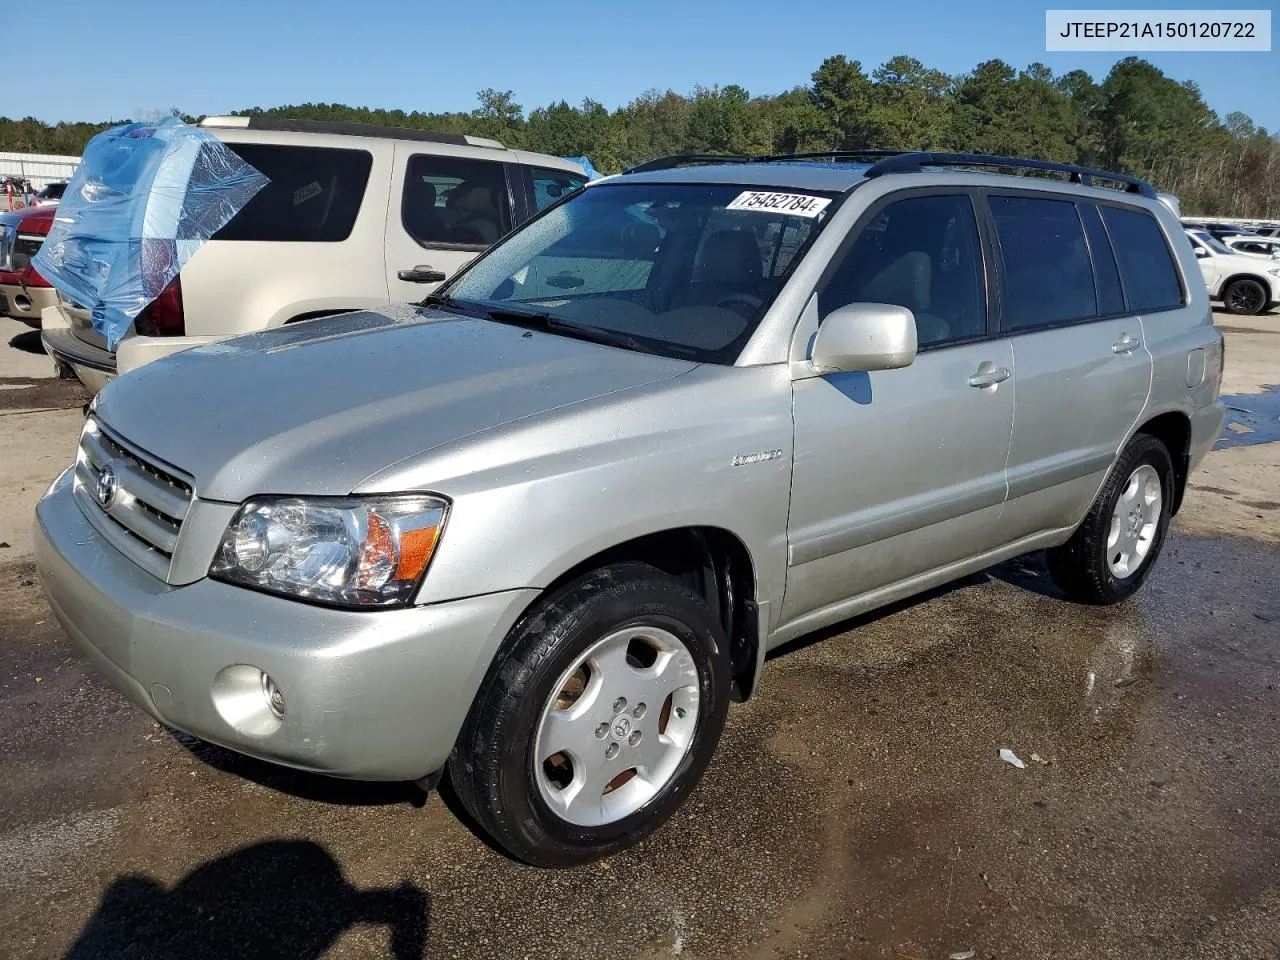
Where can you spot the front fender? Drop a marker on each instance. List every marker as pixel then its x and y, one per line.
pixel 534 499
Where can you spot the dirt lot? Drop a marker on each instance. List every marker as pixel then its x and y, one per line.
pixel 857 807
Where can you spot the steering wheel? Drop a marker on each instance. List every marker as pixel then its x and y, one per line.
pixel 748 300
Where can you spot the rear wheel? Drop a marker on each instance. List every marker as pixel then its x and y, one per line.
pixel 1111 554
pixel 1245 296
pixel 597 718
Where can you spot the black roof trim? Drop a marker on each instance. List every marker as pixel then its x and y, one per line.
pixel 348 129
pixel 916 162
pixel 853 156
pixel 908 161
pixel 686 159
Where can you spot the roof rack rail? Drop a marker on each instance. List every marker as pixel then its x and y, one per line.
pixel 348 128
pixel 915 162
pixel 851 155
pixel 685 159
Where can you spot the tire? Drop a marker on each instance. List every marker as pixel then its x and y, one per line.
pixel 1085 566
pixel 544 810
pixel 1245 297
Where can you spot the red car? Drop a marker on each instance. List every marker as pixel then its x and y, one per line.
pixel 23 292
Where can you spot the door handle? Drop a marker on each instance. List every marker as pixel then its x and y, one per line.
pixel 1126 345
pixel 989 378
pixel 422 273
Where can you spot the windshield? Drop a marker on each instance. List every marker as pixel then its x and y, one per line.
pixel 1212 242
pixel 680 270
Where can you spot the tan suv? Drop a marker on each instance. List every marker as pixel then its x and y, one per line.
pixel 356 216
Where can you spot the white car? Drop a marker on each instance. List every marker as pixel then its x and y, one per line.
pixel 355 217
pixel 1253 244
pixel 1245 283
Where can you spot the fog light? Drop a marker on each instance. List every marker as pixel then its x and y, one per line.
pixel 248 700
pixel 275 699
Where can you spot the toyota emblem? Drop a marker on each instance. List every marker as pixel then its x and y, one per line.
pixel 105 487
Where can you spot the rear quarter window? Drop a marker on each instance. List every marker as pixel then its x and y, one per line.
pixel 1146 263
pixel 313 197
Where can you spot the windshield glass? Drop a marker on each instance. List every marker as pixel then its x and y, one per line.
pixel 680 270
pixel 1212 242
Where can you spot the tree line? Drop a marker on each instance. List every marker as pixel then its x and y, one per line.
pixel 1137 120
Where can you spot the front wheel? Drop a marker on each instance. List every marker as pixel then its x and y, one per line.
pixel 1112 552
pixel 1245 297
pixel 597 718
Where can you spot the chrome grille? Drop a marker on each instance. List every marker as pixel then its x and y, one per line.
pixel 136 503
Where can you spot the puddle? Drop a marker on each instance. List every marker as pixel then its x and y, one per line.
pixel 1252 418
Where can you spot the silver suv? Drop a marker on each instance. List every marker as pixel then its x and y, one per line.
pixel 542 528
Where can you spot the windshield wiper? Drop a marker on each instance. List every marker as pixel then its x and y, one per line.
pixel 444 301
pixel 533 320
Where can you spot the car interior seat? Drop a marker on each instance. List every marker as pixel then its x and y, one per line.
pixel 908 282
pixel 420 216
pixel 727 266
pixel 473 214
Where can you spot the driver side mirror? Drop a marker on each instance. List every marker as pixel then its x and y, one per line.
pixel 1201 252
pixel 863 337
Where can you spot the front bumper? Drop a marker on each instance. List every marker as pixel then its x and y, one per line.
pixel 26 303
pixel 368 695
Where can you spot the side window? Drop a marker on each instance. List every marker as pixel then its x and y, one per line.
pixel 1105 272
pixel 313 197
pixel 550 185
pixel 1146 265
pixel 1047 275
pixel 455 201
pixel 921 253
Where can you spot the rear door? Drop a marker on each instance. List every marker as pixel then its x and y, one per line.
pixel 445 208
pixel 1082 370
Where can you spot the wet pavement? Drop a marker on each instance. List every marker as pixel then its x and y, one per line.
pixel 1251 418
pixel 857 806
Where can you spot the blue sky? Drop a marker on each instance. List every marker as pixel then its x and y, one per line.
pixel 151 54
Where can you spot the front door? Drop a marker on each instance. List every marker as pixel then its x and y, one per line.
pixel 444 210
pixel 902 472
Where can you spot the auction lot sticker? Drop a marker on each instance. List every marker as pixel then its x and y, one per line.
pixel 795 204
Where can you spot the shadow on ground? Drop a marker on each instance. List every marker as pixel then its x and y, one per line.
pixel 299 783
pixel 28 342
pixel 278 899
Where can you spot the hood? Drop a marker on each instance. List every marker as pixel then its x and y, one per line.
pixel 316 407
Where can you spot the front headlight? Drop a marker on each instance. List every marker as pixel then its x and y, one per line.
pixel 349 551
pixel 1275 272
